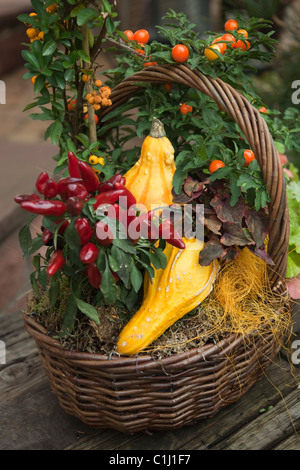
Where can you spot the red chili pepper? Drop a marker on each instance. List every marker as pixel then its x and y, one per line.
pixel 90 179
pixel 41 181
pixel 50 189
pixel 84 229
pixel 62 185
pixel 74 205
pixel 47 236
pixel 56 262
pixel 109 197
pixel 104 233
pixel 131 200
pixel 118 178
pixel 73 165
pixel 94 275
pixel 77 189
pixel 46 207
pixel 64 224
pixel 144 226
pixel 105 186
pixel 26 197
pixel 88 253
pixel 167 232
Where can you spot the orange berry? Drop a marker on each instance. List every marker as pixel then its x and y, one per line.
pixel 168 86
pixel 243 32
pixel 141 51
pixel 262 109
pixel 98 83
pixel 96 106
pixel 230 25
pixel 185 108
pixel 244 45
pixel 85 77
pixel 32 33
pixel 106 91
pixel 229 38
pixel 41 35
pixel 142 36
pixel 34 79
pixel 180 53
pixel 129 34
pixel 51 8
pixel 91 99
pixel 209 52
pixel 86 117
pixel 249 157
pixel 97 99
pixel 215 165
pixel 222 45
pixel 148 64
pixel 71 104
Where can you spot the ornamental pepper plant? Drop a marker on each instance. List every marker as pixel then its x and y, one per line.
pixel 86 244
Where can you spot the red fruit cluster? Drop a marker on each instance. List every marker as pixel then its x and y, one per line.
pixel 65 201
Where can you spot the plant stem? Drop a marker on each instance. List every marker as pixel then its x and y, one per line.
pixel 89 89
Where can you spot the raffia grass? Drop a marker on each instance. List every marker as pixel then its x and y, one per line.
pixel 241 302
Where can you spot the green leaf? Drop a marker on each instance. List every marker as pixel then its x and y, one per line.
pixel 25 239
pixel 56 132
pixel 84 56
pixel 125 245
pixel 86 14
pixel 136 277
pixel 88 310
pixel 108 286
pixel 49 47
pixel 71 237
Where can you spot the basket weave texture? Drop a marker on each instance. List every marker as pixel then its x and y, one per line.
pixel 133 394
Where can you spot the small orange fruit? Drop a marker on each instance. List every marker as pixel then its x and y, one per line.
pixel 209 52
pixel 243 45
pixel 230 25
pixel 185 108
pixel 142 36
pixel 85 77
pixel 262 109
pixel 129 34
pixel 222 45
pixel 243 32
pixel 249 157
pixel 215 165
pixel 180 53
pixel 32 33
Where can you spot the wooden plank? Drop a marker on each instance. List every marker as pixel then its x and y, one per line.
pixel 291 443
pixel 269 429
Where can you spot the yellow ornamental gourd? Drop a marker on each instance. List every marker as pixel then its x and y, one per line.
pixel 150 179
pixel 174 291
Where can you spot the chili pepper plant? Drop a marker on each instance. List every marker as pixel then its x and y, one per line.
pixel 88 249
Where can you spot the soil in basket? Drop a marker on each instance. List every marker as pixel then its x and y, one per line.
pixel 193 330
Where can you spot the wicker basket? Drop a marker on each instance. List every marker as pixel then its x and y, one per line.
pixel 132 394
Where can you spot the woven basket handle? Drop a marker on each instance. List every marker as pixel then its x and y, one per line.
pixel 254 127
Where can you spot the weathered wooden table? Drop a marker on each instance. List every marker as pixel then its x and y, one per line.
pixel 267 417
